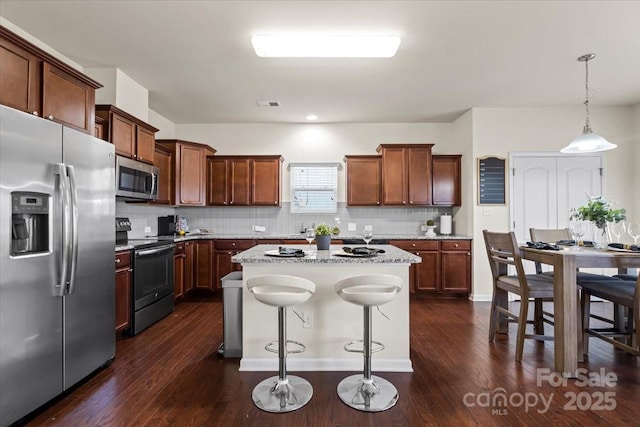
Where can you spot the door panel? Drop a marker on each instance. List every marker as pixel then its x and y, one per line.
pixel 89 310
pixel 30 314
pixel 577 176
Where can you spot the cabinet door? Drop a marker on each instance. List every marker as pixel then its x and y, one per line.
pixel 419 176
pixel 239 188
pixel 203 264
pixel 20 84
pixel 67 100
pixel 364 180
pixel 145 144
pixel 98 130
pixel 192 176
pixel 456 266
pixel 123 298
pixel 427 272
pixel 178 276
pixel 446 180
pixel 217 176
pixel 123 135
pixel 163 159
pixel 189 255
pixel 394 176
pixel 265 182
pixel 223 266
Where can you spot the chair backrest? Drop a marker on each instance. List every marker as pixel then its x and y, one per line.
pixel 548 235
pixel 503 251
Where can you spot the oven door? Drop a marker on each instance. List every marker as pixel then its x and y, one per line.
pixel 152 275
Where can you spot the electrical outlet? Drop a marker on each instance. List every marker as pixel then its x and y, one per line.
pixel 259 228
pixel 308 320
pixel 352 226
pixel 368 227
pixel 147 229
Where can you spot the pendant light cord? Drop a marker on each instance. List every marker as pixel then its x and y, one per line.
pixel 587 123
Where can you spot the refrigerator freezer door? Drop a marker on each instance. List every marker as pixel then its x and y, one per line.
pixel 89 308
pixel 30 314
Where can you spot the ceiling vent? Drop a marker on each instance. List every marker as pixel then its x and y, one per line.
pixel 268 103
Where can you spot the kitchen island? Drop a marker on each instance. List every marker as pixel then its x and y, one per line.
pixel 332 322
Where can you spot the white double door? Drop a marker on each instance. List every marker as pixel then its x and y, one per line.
pixel 545 187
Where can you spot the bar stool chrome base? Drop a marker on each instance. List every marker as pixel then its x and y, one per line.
pixel 274 395
pixel 374 395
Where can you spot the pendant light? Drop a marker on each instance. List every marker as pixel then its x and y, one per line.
pixel 588 142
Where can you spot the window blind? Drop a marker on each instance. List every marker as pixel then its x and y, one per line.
pixel 314 187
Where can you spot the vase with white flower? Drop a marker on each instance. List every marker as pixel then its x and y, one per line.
pixel 599 211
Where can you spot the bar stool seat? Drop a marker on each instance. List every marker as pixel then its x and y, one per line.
pixel 367 392
pixel 282 393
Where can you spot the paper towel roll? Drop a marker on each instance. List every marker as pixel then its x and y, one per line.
pixel 445 224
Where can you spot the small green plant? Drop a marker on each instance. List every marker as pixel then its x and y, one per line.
pixel 600 211
pixel 431 223
pixel 325 230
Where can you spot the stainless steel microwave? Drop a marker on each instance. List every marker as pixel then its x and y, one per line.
pixel 136 180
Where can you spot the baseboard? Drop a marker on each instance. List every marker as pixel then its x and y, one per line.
pixel 325 364
pixel 480 297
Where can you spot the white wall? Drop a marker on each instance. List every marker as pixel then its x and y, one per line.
pixel 122 91
pixel 166 128
pixel 316 142
pixel 635 214
pixel 462 135
pixel 499 131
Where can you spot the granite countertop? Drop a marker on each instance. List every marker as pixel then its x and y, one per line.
pixel 260 236
pixel 392 255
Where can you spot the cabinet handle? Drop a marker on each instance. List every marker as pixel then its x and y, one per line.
pixel 275 203
pixel 35 113
pixel 404 203
pixel 50 117
pixel 117 261
pixel 469 253
pixel 413 244
pixel 224 203
pixel 377 203
pixel 455 245
pixel 130 270
pixel 233 243
pixel 410 202
pixel 231 202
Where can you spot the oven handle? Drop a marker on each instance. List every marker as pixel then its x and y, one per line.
pixel 154 250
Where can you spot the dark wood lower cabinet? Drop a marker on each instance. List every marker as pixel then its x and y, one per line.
pixel 203 261
pixel 445 270
pixel 124 274
pixel 189 255
pixel 224 250
pixel 178 271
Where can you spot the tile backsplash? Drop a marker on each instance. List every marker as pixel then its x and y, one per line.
pixel 279 220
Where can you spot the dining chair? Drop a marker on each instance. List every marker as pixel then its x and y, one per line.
pixel 503 251
pixel 624 293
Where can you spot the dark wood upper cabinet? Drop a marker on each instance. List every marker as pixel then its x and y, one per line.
pixel 163 159
pixel 188 179
pixel 406 174
pixel 243 180
pixel 363 180
pixel 99 128
pixel 36 82
pixel 447 180
pixel 265 181
pixel 131 136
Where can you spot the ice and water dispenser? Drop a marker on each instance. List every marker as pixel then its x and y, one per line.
pixel 30 222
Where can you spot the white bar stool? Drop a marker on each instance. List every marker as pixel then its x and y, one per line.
pixel 367 392
pixel 282 393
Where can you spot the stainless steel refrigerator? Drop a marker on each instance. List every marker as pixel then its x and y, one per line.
pixel 57 274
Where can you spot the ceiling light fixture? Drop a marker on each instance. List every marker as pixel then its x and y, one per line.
pixel 312 117
pixel 325 46
pixel 588 142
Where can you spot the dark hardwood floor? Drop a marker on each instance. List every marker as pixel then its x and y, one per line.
pixel 171 375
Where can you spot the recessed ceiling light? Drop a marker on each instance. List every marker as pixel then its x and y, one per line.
pixel 325 46
pixel 312 117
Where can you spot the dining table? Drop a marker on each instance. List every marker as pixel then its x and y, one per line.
pixel 566 311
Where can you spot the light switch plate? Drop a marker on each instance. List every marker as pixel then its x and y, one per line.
pixel 487 211
pixel 147 229
pixel 368 227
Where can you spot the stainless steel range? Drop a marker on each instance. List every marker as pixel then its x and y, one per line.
pixel 152 288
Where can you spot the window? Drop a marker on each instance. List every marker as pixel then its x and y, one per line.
pixel 314 187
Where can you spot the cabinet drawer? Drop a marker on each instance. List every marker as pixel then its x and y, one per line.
pixel 123 259
pixel 179 249
pixel 234 244
pixel 412 245
pixel 456 245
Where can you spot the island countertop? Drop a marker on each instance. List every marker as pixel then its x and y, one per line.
pixel 391 255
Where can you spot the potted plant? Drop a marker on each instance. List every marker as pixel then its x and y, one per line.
pixel 323 235
pixel 430 226
pixel 599 212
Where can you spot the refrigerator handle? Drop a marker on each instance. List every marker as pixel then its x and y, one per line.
pixel 61 286
pixel 73 193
